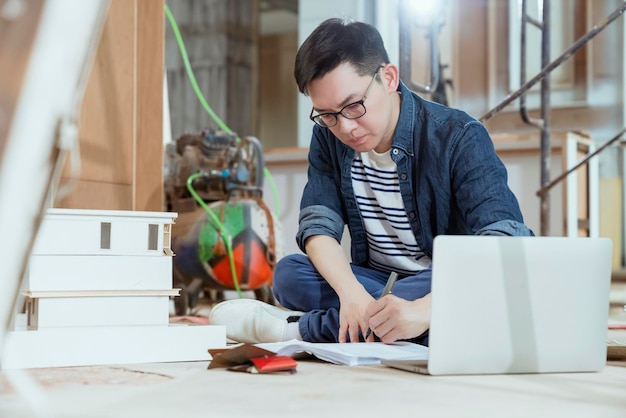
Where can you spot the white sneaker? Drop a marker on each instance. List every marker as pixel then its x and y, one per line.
pixel 251 321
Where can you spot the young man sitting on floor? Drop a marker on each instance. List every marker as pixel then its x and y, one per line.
pixel 397 170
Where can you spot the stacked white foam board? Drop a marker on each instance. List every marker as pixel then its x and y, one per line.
pixel 98 286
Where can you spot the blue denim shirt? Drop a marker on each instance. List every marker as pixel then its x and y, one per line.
pixel 451 180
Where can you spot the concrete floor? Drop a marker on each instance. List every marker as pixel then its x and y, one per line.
pixel 188 389
pixel 317 389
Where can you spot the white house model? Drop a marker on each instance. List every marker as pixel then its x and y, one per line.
pixel 97 291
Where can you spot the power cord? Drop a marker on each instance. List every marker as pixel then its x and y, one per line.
pixel 194 84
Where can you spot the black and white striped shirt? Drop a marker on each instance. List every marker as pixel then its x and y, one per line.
pixel 391 242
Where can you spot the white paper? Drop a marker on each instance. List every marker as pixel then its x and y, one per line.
pixel 351 354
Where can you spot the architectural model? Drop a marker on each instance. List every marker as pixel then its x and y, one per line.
pixel 97 291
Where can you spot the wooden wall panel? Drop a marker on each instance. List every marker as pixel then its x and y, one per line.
pixel 148 172
pixel 278 92
pixel 106 119
pixel 121 142
pixel 611 212
pixel 88 194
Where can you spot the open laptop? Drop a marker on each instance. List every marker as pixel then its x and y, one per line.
pixel 517 305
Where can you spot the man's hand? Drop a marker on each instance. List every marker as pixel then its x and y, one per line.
pixel 330 261
pixel 392 318
pixel 352 316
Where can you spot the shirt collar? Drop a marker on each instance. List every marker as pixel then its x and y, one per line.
pixel 407 120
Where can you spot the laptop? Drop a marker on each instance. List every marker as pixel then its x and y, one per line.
pixel 517 305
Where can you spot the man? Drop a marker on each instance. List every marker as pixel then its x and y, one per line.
pixel 397 170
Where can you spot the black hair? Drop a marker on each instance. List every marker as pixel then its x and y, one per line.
pixel 337 41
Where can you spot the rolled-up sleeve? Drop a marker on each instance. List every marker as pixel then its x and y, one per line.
pixel 318 220
pixel 479 181
pixel 322 205
pixel 506 228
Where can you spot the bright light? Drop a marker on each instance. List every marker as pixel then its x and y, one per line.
pixel 425 11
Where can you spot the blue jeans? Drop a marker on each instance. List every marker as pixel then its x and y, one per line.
pixel 298 286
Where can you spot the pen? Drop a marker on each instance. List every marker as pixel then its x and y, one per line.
pixel 391 281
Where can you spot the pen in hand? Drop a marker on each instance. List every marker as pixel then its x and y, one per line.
pixel 391 281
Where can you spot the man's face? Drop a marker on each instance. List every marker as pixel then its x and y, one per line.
pixel 343 86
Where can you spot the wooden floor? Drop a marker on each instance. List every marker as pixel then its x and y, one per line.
pixel 318 389
pixel 188 389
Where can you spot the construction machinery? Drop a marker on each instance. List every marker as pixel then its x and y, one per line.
pixel 226 237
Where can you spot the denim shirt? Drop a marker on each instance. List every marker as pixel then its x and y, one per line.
pixel 451 180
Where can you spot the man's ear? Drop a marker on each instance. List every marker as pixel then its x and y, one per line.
pixel 390 77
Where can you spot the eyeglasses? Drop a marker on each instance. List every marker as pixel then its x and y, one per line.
pixel 350 111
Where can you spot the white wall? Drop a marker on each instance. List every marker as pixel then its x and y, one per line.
pixel 289 179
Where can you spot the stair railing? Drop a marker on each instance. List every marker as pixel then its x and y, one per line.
pixel 542 76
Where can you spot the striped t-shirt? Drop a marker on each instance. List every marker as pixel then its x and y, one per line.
pixel 391 242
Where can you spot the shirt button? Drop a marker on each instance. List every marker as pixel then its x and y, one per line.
pixel 412 215
pixel 395 151
pixel 403 176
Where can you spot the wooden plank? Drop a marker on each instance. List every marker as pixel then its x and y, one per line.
pixel 92 194
pixel 278 100
pixel 583 194
pixel 121 131
pixel 106 126
pixel 577 186
pixel 611 207
pixel 150 70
